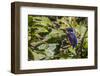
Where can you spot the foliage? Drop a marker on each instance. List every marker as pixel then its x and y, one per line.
pixel 47 39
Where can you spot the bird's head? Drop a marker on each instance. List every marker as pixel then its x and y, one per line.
pixel 69 30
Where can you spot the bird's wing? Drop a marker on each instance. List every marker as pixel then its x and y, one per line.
pixel 72 38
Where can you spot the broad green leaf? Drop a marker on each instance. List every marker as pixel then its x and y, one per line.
pixel 42 46
pixel 56 34
pixel 38 56
pixel 50 50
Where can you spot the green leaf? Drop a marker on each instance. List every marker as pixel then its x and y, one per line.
pixel 30 54
pixel 42 46
pixel 41 30
pixel 38 56
pixel 50 50
pixel 29 37
pixel 45 21
pixel 30 20
pixel 72 50
pixel 56 34
pixel 85 43
pixel 52 46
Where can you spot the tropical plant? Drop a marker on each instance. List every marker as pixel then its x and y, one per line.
pixel 48 40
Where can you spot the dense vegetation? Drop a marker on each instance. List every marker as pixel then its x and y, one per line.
pixel 47 38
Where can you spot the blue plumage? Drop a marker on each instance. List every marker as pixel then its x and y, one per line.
pixel 71 36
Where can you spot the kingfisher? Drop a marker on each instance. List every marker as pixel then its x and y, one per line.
pixel 71 37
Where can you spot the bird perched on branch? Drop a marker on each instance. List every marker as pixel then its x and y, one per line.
pixel 71 36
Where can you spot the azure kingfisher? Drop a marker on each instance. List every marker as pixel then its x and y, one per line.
pixel 71 36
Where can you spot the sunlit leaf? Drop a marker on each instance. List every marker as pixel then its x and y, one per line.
pixel 43 46
pixel 38 56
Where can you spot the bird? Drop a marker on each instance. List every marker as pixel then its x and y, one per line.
pixel 71 37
